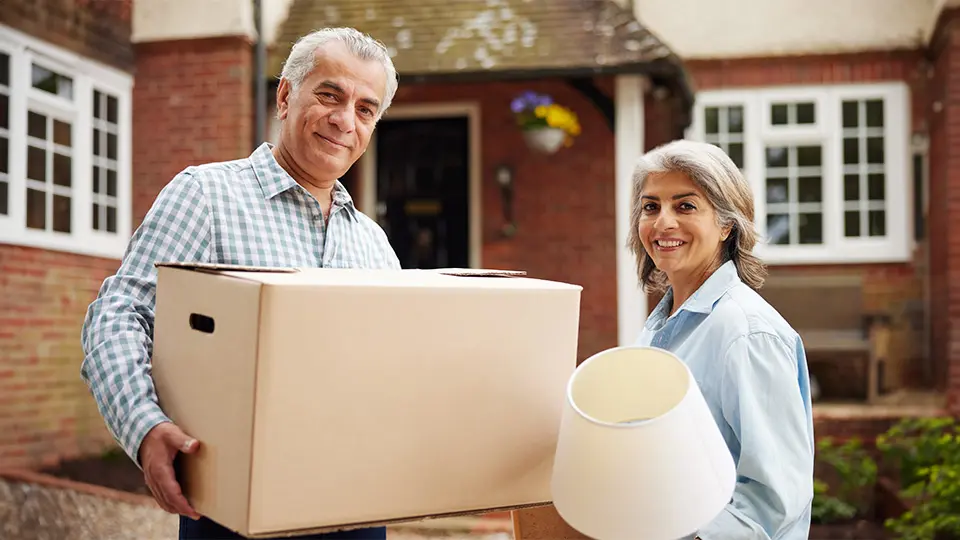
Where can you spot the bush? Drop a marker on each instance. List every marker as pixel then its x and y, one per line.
pixel 856 472
pixel 927 454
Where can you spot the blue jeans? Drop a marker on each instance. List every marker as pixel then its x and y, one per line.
pixel 206 529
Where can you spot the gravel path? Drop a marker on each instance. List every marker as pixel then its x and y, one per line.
pixel 38 511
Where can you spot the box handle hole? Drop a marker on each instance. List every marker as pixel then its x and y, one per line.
pixel 201 323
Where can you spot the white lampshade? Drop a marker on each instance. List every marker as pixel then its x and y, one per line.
pixel 639 456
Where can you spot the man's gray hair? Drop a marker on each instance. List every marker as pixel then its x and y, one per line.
pixel 302 57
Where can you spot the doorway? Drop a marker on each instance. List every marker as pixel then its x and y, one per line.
pixel 423 190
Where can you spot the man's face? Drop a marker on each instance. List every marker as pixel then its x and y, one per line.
pixel 329 118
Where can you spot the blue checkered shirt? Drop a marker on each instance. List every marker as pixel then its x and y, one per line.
pixel 249 212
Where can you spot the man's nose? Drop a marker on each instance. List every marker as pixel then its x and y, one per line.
pixel 343 119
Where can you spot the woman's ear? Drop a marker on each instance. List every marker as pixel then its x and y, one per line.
pixel 726 232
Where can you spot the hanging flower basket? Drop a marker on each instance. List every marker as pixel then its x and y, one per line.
pixel 546 125
pixel 545 139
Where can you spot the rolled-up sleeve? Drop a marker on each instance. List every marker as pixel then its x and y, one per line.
pixel 117 333
pixel 763 404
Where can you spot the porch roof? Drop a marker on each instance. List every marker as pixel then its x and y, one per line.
pixel 485 40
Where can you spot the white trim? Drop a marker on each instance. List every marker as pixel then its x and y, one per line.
pixel 470 110
pixel 827 131
pixel 88 75
pixel 629 140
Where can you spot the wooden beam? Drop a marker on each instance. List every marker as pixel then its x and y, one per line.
pixel 601 101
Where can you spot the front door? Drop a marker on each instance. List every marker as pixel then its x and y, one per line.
pixel 423 177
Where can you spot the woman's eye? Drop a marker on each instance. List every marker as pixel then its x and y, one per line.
pixel 687 206
pixel 649 207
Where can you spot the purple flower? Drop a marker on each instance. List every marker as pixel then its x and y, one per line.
pixel 529 100
pixel 517 105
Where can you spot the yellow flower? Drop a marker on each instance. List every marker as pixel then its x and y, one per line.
pixel 540 111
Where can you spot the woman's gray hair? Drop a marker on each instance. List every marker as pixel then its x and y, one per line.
pixel 719 179
pixel 302 57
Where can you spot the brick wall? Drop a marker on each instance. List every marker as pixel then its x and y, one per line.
pixel 192 104
pixel 895 289
pixel 944 115
pixel 46 412
pixel 98 29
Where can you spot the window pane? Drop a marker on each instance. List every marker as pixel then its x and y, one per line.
pixel 808 156
pixel 735 120
pixel 36 164
pixel 735 152
pixel 36 125
pixel 111 182
pixel 875 187
pixel 36 209
pixel 851 187
pixel 811 228
pixel 111 146
pixel 875 150
pixel 851 151
pixel 4 155
pixel 4 198
pixel 111 109
pixel 96 217
pixel 851 223
pixel 850 110
pixel 50 81
pixel 96 104
pixel 778 114
pixel 878 227
pixel 62 172
pixel 875 113
pixel 805 113
pixel 712 120
pixel 777 157
pixel 96 142
pixel 4 69
pixel 777 190
pixel 778 228
pixel 810 189
pixel 111 219
pixel 61 213
pixel 96 179
pixel 4 111
pixel 61 133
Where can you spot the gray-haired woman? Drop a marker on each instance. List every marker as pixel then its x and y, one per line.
pixel 692 232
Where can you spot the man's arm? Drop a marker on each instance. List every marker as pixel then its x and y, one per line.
pixel 761 401
pixel 117 334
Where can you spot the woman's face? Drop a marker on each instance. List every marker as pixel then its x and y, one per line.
pixel 678 226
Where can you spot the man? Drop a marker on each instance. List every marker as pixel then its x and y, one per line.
pixel 281 206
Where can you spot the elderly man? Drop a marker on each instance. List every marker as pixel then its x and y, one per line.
pixel 281 206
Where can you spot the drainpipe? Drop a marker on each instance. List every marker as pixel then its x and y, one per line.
pixel 259 78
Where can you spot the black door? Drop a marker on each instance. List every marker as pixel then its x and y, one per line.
pixel 422 190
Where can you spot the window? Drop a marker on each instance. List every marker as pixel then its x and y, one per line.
pixel 64 149
pixel 828 164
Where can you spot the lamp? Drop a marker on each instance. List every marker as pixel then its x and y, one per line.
pixel 504 175
pixel 639 455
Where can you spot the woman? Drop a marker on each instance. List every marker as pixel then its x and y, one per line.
pixel 692 232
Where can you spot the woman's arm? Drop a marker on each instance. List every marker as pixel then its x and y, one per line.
pixel 763 405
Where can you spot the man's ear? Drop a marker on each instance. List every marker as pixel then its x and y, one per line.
pixel 283 98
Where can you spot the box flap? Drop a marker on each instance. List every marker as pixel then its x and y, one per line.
pixel 216 267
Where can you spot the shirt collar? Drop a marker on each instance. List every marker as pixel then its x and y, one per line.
pixel 275 180
pixel 705 298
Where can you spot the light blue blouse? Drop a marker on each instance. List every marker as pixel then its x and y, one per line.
pixel 751 367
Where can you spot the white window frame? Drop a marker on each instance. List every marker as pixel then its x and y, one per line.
pixel 897 245
pixel 88 75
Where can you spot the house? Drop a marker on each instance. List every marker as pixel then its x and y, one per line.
pixel 840 121
pixel 162 85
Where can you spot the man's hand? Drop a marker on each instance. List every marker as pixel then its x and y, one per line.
pixel 157 452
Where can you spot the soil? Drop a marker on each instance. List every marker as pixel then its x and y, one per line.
pixel 114 471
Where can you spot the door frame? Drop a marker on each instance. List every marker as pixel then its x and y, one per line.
pixel 427 111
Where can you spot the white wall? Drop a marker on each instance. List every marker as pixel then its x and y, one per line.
pixel 157 20
pixel 737 28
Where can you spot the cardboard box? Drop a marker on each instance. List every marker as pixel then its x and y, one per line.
pixel 328 398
